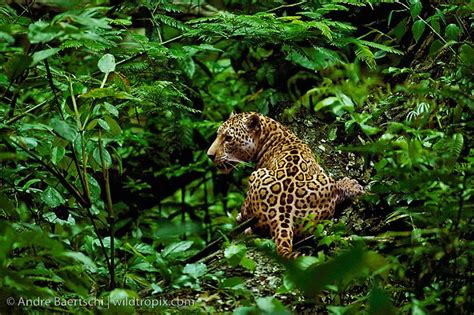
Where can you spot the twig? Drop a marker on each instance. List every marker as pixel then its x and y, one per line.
pixel 20 116
pixel 286 6
pixel 53 87
pixel 71 146
pixel 83 145
pixel 110 209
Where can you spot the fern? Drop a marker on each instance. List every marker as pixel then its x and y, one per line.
pixel 323 27
pixel 363 53
pixel 315 58
pixel 136 66
pixel 331 7
pixel 71 43
pixel 170 22
pixel 379 46
pixel 457 144
pixel 7 15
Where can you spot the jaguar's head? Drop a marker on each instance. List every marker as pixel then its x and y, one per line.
pixel 237 141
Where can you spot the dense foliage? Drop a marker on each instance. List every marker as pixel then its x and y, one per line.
pixel 107 109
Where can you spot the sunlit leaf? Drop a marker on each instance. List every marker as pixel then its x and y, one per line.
pixel 106 64
pixel 176 249
pixel 195 270
pixel 43 54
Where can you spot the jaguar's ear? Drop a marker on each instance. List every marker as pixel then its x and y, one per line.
pixel 232 114
pixel 253 123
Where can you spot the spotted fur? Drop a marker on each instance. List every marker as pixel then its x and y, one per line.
pixel 287 186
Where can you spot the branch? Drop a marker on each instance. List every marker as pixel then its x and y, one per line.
pixel 214 245
pixel 69 187
pixel 110 209
pixel 53 87
pixel 74 155
pixel 20 116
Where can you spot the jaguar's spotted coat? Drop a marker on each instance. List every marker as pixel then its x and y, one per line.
pixel 287 186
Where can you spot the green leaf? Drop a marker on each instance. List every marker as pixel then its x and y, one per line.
pixel 43 54
pixel 57 154
pixel 435 47
pixel 6 203
pixel 64 129
pixel 15 66
pixel 313 278
pixel 80 257
pixel 328 101
pixel 365 54
pixel 103 124
pixel 124 22
pixel 325 30
pixel 195 270
pixel 246 310
pixel 234 253
pixel 248 263
pixel 270 305
pixel 379 46
pixel 379 303
pixel 188 66
pixel 115 129
pixel 467 55
pixel 7 37
pixel 417 29
pixel 452 32
pixel 156 288
pixel 369 130
pixel 332 135
pixel 111 109
pixel 435 23
pixel 176 249
pixel 106 64
pixel 415 8
pixel 107 157
pixel 234 283
pixel 41 32
pixel 29 183
pixel 94 187
pixel 123 294
pixel 52 197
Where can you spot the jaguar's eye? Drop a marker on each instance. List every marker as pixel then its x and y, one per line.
pixel 228 138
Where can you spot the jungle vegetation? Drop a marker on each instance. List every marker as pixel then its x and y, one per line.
pixel 108 107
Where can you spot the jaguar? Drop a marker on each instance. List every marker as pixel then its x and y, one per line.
pixel 288 187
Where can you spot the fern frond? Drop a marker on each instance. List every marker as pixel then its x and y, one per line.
pixel 323 27
pixel 71 43
pixel 380 46
pixel 457 144
pixel 167 20
pixel 315 58
pixel 363 53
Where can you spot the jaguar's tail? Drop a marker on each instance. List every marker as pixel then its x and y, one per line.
pixel 347 188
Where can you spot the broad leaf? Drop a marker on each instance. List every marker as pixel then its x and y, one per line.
pixel 106 64
pixel 417 29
